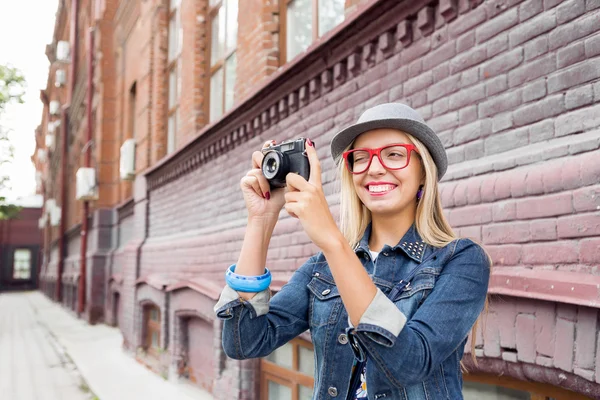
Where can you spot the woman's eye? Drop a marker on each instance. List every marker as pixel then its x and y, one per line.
pixel 396 155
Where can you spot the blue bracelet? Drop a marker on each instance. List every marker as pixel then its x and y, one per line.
pixel 251 284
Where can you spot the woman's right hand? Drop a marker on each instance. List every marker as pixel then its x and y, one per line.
pixel 260 201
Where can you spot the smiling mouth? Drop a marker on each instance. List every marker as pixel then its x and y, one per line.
pixel 380 189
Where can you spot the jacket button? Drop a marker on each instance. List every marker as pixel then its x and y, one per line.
pixel 343 338
pixel 326 292
pixel 332 391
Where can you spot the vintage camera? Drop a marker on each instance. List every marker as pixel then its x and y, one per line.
pixel 284 158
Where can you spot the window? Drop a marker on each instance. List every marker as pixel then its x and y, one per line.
pixel 489 387
pixel 174 72
pixel 287 373
pixel 22 264
pixel 132 113
pixel 223 62
pixel 152 324
pixel 306 21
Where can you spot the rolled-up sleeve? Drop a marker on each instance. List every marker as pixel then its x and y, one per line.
pixel 254 328
pixel 258 305
pixel 382 321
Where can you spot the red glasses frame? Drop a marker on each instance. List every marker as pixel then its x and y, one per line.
pixel 377 152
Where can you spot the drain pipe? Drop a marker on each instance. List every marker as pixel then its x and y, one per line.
pixel 87 161
pixel 64 149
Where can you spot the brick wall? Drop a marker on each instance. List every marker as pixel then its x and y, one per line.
pixel 514 103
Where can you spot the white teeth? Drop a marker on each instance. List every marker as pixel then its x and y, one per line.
pixel 380 188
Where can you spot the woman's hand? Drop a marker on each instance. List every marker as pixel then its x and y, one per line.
pixel 260 201
pixel 306 201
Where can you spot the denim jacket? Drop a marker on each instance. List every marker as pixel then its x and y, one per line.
pixel 412 347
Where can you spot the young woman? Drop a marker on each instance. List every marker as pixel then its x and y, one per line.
pixel 392 295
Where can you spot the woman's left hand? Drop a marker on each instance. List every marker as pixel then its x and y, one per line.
pixel 306 201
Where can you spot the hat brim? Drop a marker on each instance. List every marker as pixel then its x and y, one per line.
pixel 419 130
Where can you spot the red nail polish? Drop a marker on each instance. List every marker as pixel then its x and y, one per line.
pixel 268 195
pixel 309 142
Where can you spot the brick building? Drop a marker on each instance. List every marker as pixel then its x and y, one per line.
pixel 512 87
pixel 20 245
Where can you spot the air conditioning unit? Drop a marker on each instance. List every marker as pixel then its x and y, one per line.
pixel 50 204
pixel 55 216
pixel 127 161
pixel 87 187
pixel 43 221
pixel 60 78
pixel 50 141
pixel 63 50
pixel 54 107
pixel 42 155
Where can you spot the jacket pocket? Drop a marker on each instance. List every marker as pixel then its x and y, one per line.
pixel 325 302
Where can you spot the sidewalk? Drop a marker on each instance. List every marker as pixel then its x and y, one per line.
pixel 95 350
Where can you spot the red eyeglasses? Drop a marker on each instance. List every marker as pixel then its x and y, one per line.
pixel 392 157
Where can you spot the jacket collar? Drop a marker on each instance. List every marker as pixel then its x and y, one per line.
pixel 411 244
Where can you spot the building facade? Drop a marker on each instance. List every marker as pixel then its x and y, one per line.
pixel 166 101
pixel 20 247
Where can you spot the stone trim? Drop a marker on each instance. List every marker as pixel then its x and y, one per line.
pixel 357 45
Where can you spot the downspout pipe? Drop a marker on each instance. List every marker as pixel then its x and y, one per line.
pixel 87 163
pixel 64 149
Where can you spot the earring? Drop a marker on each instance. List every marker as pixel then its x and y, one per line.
pixel 420 193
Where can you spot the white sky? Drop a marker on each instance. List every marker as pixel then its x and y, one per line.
pixel 26 26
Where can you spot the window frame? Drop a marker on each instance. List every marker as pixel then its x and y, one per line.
pixel 283 9
pixel 151 326
pixel 31 271
pixel 291 378
pixel 173 65
pixel 213 11
pixel 537 391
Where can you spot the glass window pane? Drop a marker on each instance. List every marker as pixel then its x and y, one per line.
pixel 331 13
pixel 306 362
pixel 172 129
pixel 481 391
pixel 232 23
pixel 230 67
pixel 306 393
pixel 282 356
pixel 173 36
pixel 299 27
pixel 218 37
pixel 216 95
pixel 154 314
pixel 154 339
pixel 279 392
pixel 175 4
pixel 22 264
pixel 172 87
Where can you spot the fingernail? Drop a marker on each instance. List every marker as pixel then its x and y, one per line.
pixel 308 142
pixel 268 195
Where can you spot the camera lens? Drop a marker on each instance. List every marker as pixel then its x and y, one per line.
pixel 271 166
pixel 275 166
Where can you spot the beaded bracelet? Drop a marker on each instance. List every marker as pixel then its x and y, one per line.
pixel 251 284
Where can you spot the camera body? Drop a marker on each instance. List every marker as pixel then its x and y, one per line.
pixel 280 160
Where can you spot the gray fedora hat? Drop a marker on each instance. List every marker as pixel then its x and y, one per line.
pixel 393 116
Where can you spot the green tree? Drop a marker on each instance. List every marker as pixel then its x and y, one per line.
pixel 12 87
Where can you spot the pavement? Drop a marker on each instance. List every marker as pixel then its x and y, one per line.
pixel 47 353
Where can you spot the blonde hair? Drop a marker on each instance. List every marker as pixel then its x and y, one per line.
pixel 430 221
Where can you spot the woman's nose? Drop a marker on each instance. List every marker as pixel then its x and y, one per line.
pixel 376 168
